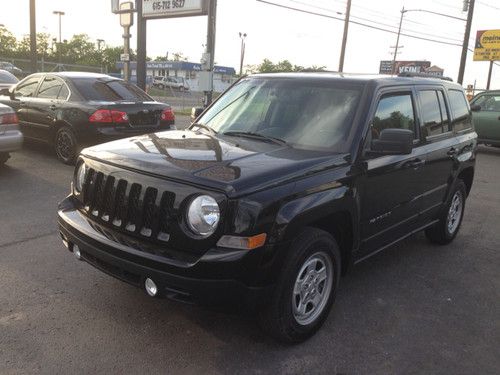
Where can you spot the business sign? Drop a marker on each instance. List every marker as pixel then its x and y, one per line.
pixel 174 8
pixel 487 45
pixel 404 66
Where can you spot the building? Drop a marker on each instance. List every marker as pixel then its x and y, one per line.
pixel 224 76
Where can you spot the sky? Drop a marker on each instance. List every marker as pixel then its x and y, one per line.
pixel 277 33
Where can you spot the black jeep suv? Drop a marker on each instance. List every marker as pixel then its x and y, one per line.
pixel 279 186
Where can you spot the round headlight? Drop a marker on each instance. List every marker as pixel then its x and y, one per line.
pixel 203 215
pixel 80 177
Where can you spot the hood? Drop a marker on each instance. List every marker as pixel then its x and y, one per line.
pixel 233 165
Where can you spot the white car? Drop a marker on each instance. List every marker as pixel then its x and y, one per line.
pixel 11 138
pixel 177 83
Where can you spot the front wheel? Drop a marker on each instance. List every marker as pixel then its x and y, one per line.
pixel 66 145
pixel 306 288
pixel 451 218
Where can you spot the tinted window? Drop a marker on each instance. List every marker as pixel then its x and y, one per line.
pixel 27 88
pixel 49 88
pixel 6 77
pixel 431 113
pixel 305 114
pixel 63 93
pixel 460 110
pixel 490 103
pixel 109 90
pixel 394 111
pixel 444 112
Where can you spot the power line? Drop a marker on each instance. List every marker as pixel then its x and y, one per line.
pixel 358 23
pixel 488 5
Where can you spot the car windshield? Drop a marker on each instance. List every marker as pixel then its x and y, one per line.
pixel 308 114
pixel 109 90
pixel 6 77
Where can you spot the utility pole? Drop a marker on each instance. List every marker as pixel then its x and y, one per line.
pixel 33 52
pixel 99 41
pixel 60 14
pixel 344 38
pixel 210 47
pixel 465 44
pixel 242 51
pixel 397 42
pixel 141 46
pixel 489 76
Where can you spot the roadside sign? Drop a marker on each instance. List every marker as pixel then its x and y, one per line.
pixel 174 8
pixel 124 57
pixel 487 45
pixel 126 19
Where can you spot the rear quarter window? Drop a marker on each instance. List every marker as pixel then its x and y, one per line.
pixel 460 110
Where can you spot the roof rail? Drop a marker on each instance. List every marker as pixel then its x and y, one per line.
pixel 423 75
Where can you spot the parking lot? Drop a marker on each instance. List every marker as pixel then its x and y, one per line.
pixel 415 308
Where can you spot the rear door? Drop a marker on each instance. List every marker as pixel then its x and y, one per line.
pixel 391 191
pixel 487 120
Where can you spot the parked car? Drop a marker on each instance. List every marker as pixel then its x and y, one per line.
pixel 486 114
pixel 7 79
pixel 11 68
pixel 72 110
pixel 281 185
pixel 177 83
pixel 11 138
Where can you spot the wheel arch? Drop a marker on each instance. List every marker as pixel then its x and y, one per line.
pixel 467 176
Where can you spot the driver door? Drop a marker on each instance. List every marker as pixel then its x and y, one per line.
pixel 23 94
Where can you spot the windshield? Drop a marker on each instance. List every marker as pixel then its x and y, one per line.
pixel 112 90
pixel 304 114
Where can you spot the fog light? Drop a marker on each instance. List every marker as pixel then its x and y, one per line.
pixel 76 252
pixel 151 287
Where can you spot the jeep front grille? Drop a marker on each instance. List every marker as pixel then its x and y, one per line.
pixel 128 206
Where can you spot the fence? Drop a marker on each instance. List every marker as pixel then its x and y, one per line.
pixel 50 66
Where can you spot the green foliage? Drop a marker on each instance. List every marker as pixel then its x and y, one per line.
pixel 267 66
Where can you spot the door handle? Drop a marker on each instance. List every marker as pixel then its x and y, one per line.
pixel 53 107
pixel 452 151
pixel 415 163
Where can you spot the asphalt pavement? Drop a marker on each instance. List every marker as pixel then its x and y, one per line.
pixel 415 308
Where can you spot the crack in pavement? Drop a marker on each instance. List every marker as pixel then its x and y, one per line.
pixel 28 239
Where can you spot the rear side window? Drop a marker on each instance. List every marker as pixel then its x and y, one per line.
pixel 49 89
pixel 434 114
pixel 109 90
pixel 63 93
pixel 394 111
pixel 460 110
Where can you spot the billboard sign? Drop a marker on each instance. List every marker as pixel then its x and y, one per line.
pixel 487 46
pixel 404 66
pixel 174 8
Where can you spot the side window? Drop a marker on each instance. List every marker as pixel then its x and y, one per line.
pixel 27 88
pixel 460 110
pixel 63 93
pixel 434 114
pixel 394 111
pixel 49 89
pixel 489 103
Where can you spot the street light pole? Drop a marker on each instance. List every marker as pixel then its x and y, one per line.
pixel 242 51
pixel 33 51
pixel 397 41
pixel 59 13
pixel 344 38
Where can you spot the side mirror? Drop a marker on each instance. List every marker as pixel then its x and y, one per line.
pixel 196 112
pixel 475 108
pixel 393 142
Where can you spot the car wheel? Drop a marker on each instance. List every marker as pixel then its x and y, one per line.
pixel 451 218
pixel 66 145
pixel 306 288
pixel 4 156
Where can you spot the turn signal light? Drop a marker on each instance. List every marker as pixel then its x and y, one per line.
pixel 167 115
pixel 9 118
pixel 245 243
pixel 107 116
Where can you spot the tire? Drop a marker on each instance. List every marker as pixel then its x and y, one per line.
pixel 286 317
pixel 4 156
pixel 450 219
pixel 66 145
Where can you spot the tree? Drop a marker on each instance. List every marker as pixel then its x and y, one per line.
pixel 7 43
pixel 267 66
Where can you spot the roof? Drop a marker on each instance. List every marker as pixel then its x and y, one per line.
pixel 80 74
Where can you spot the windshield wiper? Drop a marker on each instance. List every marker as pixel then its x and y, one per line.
pixel 256 136
pixel 203 127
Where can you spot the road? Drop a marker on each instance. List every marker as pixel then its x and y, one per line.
pixel 415 308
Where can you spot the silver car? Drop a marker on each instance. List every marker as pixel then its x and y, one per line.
pixel 11 138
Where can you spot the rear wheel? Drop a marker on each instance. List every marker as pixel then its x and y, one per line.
pixel 66 145
pixel 306 288
pixel 4 156
pixel 449 223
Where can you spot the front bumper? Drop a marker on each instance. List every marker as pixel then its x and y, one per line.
pixel 10 140
pixel 216 278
